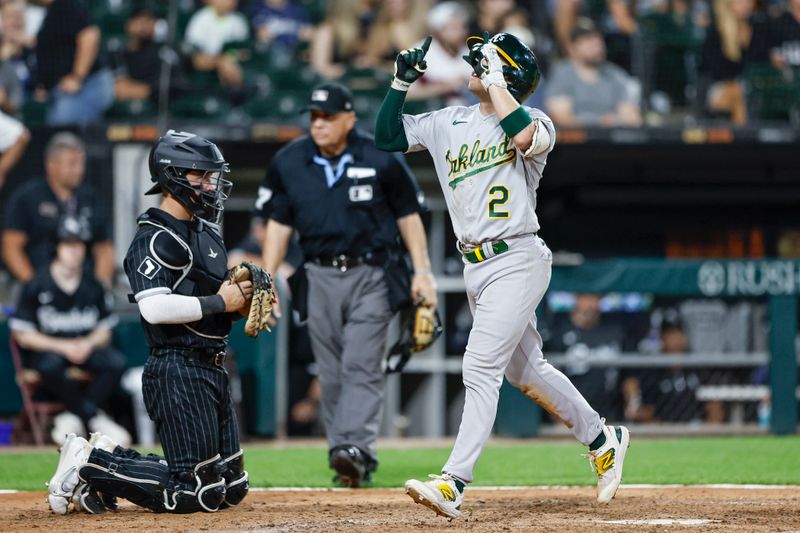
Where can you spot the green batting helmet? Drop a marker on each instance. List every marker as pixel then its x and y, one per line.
pixel 522 72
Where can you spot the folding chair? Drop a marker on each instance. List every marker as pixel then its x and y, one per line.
pixel 34 412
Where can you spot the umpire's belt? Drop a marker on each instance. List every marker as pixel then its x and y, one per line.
pixel 345 261
pixel 212 357
pixel 482 252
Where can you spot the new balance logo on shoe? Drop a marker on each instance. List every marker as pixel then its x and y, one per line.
pixel 605 462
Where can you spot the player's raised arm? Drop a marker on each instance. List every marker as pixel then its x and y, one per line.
pixel 509 73
pixel 410 64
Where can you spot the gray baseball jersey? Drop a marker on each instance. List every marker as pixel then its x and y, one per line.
pixel 490 189
pixel 489 186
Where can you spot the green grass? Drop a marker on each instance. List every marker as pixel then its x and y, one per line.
pixel 768 460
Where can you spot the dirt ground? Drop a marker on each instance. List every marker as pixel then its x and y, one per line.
pixel 675 509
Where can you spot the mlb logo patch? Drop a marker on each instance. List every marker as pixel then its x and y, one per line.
pixel 320 95
pixel 149 268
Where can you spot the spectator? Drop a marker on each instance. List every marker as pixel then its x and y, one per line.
pixel 10 88
pixel 586 336
pixel 303 386
pixel 491 14
pixel 209 30
pixel 447 72
pixel 586 90
pixel 28 16
pixel 249 249
pixel 14 138
pixel 78 86
pixel 616 18
pixel 338 41
pixel 138 66
pixel 785 38
pixel 516 23
pixel 34 209
pixel 16 45
pixel 665 394
pixel 63 320
pixel 737 38
pixel 281 23
pixel 400 24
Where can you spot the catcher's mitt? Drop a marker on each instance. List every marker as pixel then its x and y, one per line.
pixel 420 326
pixel 260 306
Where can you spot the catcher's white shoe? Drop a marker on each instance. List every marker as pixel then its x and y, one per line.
pixel 608 459
pixel 74 454
pixel 439 494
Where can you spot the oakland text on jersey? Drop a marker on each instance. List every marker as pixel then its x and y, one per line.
pixel 484 158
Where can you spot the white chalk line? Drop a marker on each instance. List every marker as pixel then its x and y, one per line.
pixel 524 487
pixel 549 487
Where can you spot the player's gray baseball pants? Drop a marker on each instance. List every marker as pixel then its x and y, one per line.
pixel 504 292
pixel 348 316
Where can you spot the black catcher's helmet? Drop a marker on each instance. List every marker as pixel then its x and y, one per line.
pixel 522 72
pixel 177 153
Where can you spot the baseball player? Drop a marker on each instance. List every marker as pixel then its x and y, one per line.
pixel 175 265
pixel 489 159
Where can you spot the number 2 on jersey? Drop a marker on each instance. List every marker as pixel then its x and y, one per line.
pixel 499 197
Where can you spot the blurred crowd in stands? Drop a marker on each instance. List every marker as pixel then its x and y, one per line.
pixel 604 62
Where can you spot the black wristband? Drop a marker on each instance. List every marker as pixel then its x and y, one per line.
pixel 211 305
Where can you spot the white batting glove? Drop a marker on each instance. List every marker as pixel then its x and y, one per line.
pixel 493 69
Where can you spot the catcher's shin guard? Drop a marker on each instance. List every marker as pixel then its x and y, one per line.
pixel 237 482
pixel 126 478
pixel 202 489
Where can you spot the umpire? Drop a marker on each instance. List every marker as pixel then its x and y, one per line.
pixel 176 265
pixel 349 203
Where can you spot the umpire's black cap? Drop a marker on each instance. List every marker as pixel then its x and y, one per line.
pixel 330 97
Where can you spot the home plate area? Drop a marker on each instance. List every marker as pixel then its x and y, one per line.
pixel 502 509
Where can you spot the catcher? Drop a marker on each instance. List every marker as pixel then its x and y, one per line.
pixel 177 269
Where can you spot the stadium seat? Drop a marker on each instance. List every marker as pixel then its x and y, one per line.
pixel 671 51
pixel 34 113
pixel 34 412
pixel 132 110
pixel 200 106
pixel 282 106
pixel 770 94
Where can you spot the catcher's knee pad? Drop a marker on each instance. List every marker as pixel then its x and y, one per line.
pixel 237 482
pixel 202 489
pixel 114 481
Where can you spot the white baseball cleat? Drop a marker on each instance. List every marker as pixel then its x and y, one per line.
pixel 608 459
pixel 439 494
pixel 74 454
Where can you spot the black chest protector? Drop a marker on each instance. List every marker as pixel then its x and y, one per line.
pixel 196 252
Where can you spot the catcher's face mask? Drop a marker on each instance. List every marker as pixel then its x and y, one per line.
pixel 205 192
